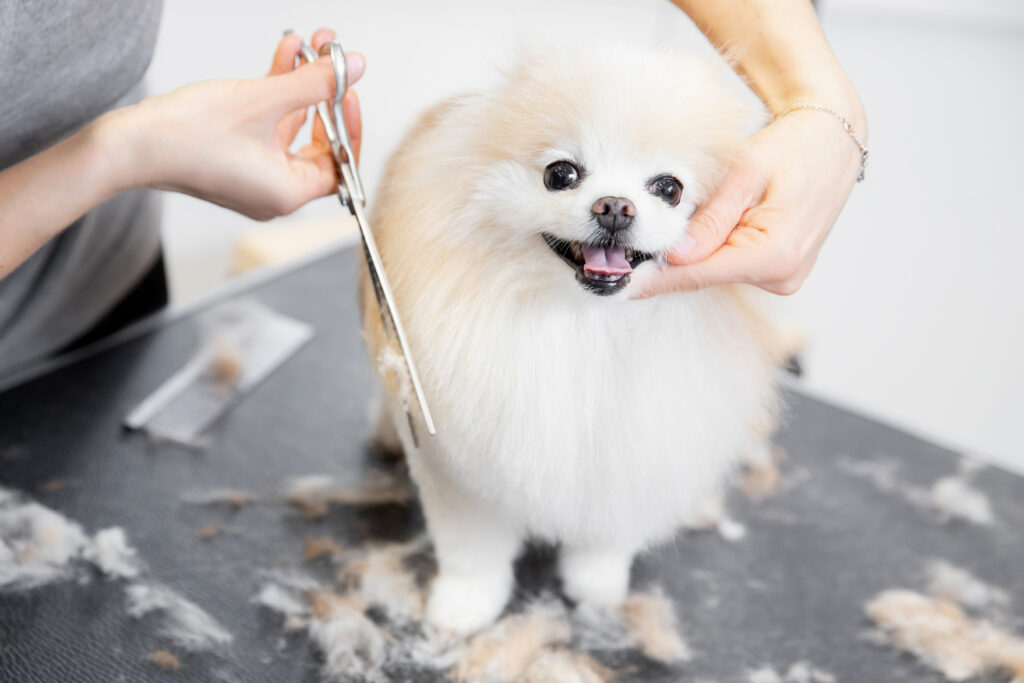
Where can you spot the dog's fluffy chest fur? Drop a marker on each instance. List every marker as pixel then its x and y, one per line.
pixel 588 420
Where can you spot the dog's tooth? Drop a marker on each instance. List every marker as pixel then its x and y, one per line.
pixel 629 254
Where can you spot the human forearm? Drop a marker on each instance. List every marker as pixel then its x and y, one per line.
pixel 779 47
pixel 49 191
pixel 226 141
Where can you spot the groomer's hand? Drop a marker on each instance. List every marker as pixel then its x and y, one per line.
pixel 224 141
pixel 768 219
pixel 228 141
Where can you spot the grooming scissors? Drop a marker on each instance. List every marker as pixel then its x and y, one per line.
pixel 351 195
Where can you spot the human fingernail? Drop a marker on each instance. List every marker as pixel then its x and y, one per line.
pixel 355 64
pixel 684 246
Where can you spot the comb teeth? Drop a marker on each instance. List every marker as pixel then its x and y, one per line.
pixel 192 411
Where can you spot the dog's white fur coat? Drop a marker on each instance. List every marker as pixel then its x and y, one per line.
pixel 600 422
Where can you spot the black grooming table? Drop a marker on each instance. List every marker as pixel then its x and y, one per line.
pixel 792 589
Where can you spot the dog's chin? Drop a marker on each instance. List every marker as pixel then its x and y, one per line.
pixel 601 269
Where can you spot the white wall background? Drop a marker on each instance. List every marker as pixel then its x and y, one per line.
pixel 914 311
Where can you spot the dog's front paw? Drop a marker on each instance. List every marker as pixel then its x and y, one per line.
pixel 468 602
pixel 597 578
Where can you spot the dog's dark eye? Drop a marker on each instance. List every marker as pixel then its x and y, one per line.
pixel 561 175
pixel 668 189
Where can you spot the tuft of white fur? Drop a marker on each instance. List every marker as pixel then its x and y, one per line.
pixel 383 581
pixel 713 515
pixel 276 598
pixel 798 672
pixel 177 618
pixel 112 555
pixel 37 545
pixel 600 422
pixel 351 644
pixel 284 592
pixel 955 498
pixel 954 583
pixel 390 364
pixel 804 672
pixel 765 674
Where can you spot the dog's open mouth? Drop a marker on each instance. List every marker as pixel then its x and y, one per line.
pixel 601 268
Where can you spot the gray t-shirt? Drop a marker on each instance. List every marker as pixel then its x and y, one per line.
pixel 62 64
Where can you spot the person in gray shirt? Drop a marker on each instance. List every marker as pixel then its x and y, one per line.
pixel 81 151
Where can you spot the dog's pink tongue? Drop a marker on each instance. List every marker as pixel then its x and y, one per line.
pixel 605 260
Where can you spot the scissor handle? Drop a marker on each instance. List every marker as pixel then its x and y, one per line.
pixel 337 54
pixel 333 117
pixel 333 50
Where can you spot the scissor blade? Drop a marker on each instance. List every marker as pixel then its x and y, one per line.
pixel 350 193
pixel 385 298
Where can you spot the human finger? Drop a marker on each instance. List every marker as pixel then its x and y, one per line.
pixel 317 163
pixel 321 36
pixel 728 264
pixel 290 125
pixel 711 225
pixel 284 56
pixel 310 83
pixel 355 63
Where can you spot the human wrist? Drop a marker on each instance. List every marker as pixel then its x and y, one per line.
pixel 840 98
pixel 118 145
pixel 825 83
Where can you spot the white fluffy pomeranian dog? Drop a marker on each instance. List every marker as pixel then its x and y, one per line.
pixel 516 226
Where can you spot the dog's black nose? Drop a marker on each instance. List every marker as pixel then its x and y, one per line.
pixel 613 213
